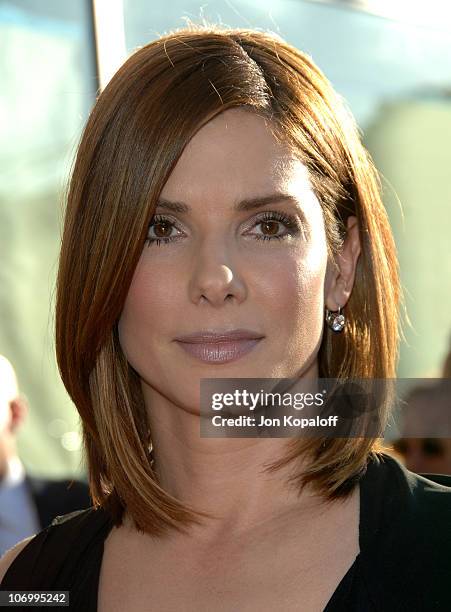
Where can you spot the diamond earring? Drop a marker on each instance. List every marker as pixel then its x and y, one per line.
pixel 335 320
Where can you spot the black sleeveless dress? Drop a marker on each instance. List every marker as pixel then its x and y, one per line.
pixel 404 564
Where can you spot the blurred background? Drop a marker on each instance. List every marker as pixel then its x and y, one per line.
pixel 389 59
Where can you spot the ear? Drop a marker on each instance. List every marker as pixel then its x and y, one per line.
pixel 341 281
pixel 19 411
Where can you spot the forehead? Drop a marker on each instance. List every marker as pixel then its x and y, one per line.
pixel 235 155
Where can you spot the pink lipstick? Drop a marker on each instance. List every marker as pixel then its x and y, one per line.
pixel 219 346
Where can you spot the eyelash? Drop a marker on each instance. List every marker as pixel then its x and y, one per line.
pixel 289 221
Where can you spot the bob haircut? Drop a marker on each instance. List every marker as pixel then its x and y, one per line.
pixel 156 102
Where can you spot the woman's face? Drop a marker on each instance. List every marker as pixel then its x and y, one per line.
pixel 223 269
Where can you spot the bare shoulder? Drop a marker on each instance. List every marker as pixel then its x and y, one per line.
pixel 11 554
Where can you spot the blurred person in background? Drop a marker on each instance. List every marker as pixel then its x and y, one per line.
pixel 426 415
pixel 27 504
pixel 427 409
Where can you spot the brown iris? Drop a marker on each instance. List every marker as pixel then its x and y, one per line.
pixel 164 224
pixel 269 224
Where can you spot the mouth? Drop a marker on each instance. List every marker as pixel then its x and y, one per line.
pixel 216 335
pixel 219 351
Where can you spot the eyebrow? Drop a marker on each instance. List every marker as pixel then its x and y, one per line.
pixel 243 205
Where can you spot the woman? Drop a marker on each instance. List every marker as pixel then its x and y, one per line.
pixel 220 185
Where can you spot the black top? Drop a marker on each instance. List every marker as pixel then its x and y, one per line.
pixel 404 563
pixel 56 497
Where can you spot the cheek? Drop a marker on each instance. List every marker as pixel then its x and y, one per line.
pixel 295 287
pixel 296 305
pixel 148 300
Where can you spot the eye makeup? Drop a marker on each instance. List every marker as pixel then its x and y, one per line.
pixel 266 219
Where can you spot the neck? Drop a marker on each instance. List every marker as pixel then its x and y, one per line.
pixel 225 476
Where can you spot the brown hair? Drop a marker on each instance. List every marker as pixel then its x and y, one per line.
pixel 135 134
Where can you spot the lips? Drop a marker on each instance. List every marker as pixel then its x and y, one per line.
pixel 219 351
pixel 221 346
pixel 203 337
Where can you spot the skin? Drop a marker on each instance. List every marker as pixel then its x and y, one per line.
pixel 424 416
pixel 416 460
pixel 13 411
pixel 217 275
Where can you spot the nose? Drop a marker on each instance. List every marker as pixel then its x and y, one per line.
pixel 215 278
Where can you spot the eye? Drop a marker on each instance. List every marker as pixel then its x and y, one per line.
pixel 271 223
pixel 160 230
